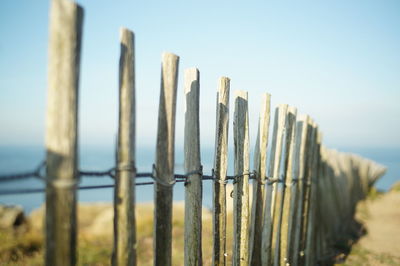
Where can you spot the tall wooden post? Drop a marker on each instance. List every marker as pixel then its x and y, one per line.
pixel 307 189
pixel 273 175
pixel 66 19
pixel 193 188
pixel 241 183
pixel 124 196
pixel 281 256
pixel 164 166
pixel 220 168
pixel 260 156
pixel 299 169
pixel 310 237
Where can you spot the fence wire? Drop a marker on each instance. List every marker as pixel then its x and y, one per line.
pixel 38 173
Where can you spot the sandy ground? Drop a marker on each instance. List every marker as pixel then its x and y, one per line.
pixel 381 245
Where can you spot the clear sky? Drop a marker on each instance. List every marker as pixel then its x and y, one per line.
pixel 338 61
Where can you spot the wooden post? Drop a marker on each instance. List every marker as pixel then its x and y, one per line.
pixel 319 241
pixel 124 252
pixel 241 182
pixel 193 188
pixel 307 189
pixel 336 182
pixel 293 188
pixel 66 20
pixel 260 155
pixel 273 175
pixel 310 259
pixel 220 168
pixel 299 167
pixel 334 189
pixel 164 166
pixel 326 211
pixel 281 256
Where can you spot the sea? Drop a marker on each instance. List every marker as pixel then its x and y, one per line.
pixel 24 159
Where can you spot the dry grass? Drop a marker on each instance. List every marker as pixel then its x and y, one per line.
pixel 381 216
pixel 95 238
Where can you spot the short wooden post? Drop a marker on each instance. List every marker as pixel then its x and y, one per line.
pixel 220 168
pixel 124 252
pixel 66 20
pixel 326 211
pixel 193 186
pixel 260 156
pixel 299 167
pixel 335 192
pixel 241 182
pixel 273 175
pixel 281 256
pixel 164 167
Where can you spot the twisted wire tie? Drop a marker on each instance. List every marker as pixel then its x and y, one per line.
pixel 62 183
pixel 236 177
pixel 271 180
pixel 56 183
pixel 194 172
pixel 217 180
pixel 129 167
pixel 260 181
pixel 159 181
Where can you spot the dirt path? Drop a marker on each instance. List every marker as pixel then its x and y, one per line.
pixel 381 245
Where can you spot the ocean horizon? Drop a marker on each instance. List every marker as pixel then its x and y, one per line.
pixel 15 159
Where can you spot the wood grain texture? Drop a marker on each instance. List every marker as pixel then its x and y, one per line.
pixel 164 166
pixel 260 156
pixel 193 187
pixel 307 189
pixel 310 258
pixel 299 169
pixel 220 170
pixel 241 184
pixel 66 20
pixel 281 256
pixel 273 172
pixel 124 252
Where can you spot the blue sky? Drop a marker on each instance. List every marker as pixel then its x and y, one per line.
pixel 338 61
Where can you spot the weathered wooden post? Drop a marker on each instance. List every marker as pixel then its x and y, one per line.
pixel 320 232
pixel 338 184
pixel 307 189
pixel 241 182
pixel 66 20
pixel 326 211
pixel 300 168
pixel 310 259
pixel 335 192
pixel 273 176
pixel 293 187
pixel 281 256
pixel 163 171
pixel 193 186
pixel 220 168
pixel 124 252
pixel 260 156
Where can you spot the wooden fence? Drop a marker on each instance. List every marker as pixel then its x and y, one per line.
pixel 302 204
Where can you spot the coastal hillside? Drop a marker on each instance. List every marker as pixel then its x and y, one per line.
pixel 380 215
